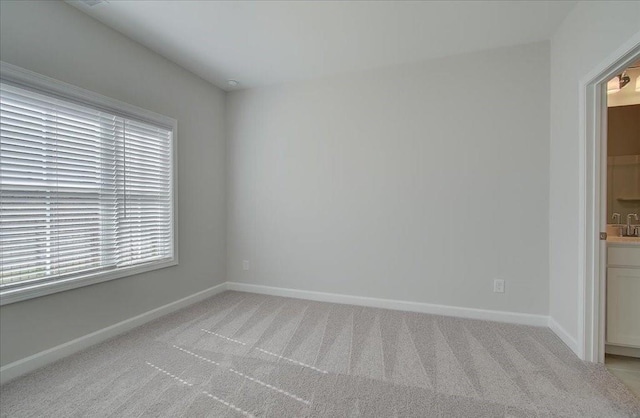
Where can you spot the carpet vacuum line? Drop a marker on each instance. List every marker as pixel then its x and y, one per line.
pixel 204 392
pixel 268 352
pixel 252 379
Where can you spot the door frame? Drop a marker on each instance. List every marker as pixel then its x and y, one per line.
pixel 593 199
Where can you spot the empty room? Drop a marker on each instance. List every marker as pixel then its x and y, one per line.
pixel 319 208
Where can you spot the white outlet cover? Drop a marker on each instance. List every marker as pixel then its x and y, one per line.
pixel 245 264
pixel 498 286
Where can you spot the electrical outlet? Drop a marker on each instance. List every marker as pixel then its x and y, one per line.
pixel 498 286
pixel 245 264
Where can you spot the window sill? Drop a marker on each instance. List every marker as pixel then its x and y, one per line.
pixel 42 289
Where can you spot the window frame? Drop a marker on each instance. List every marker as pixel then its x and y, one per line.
pixel 20 77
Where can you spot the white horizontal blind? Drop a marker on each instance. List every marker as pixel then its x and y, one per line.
pixel 143 208
pixel 81 190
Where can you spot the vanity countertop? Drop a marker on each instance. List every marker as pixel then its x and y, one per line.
pixel 620 241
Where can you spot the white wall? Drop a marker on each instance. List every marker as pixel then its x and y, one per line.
pixel 591 32
pixel 57 40
pixel 419 183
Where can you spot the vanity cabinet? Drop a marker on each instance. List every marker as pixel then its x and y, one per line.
pixel 623 296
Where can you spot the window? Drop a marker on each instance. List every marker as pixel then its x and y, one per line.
pixel 86 187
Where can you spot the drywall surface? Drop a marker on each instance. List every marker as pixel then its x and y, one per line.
pixel 420 183
pixel 587 36
pixel 58 41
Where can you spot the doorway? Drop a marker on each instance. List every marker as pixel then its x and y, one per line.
pixel 621 146
pixel 593 199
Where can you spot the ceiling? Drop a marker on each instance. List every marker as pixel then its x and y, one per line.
pixel 267 42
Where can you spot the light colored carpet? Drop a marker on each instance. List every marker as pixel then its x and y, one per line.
pixel 241 354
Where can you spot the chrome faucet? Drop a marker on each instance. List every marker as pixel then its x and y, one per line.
pixel 631 232
pixel 616 219
pixel 616 216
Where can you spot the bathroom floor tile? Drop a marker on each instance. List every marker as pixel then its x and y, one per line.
pixel 627 369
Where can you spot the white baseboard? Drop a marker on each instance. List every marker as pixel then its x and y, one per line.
pixel 571 342
pixel 35 361
pixel 473 313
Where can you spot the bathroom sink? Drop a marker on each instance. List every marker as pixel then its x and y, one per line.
pixel 614 234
